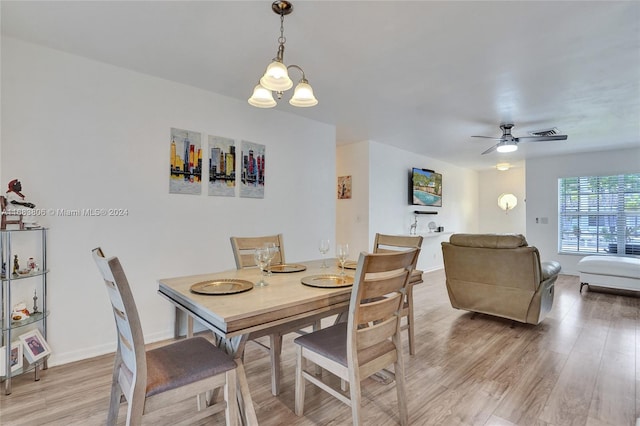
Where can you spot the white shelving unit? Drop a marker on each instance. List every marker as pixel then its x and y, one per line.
pixel 36 280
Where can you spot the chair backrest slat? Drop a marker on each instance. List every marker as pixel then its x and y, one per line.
pixel 376 333
pixel 388 243
pixel 382 307
pixel 244 247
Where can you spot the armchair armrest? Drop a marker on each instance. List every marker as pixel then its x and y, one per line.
pixel 549 269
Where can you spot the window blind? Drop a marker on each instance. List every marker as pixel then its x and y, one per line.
pixel 599 214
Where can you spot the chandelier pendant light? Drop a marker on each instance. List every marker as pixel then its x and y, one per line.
pixel 276 77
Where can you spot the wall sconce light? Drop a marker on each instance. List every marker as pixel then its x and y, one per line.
pixel 276 77
pixel 507 202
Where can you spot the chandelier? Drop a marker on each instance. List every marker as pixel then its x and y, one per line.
pixel 276 77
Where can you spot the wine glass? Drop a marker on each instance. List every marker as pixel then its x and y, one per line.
pixel 342 251
pixel 272 250
pixel 323 246
pixel 261 257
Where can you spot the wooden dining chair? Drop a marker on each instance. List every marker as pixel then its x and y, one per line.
pixel 390 243
pixel 243 250
pixel 370 339
pixel 149 380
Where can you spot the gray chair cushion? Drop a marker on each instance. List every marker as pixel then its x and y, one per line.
pixel 184 362
pixel 330 342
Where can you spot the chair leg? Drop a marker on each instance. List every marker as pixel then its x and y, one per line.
pixel 316 327
pixel 398 370
pixel 189 326
pixel 412 344
pixel 275 351
pixel 230 398
pixel 135 408
pixel 300 383
pixel 356 401
pixel 114 403
pixel 116 392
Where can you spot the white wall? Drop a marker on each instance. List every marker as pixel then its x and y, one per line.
pixel 542 176
pixel 492 218
pixel 388 210
pixel 82 134
pixel 352 215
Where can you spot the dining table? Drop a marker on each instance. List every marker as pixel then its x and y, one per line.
pixel 241 310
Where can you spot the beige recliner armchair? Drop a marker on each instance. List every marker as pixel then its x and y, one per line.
pixel 499 275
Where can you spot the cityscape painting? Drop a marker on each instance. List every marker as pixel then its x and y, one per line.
pixel 222 166
pixel 186 162
pixel 252 167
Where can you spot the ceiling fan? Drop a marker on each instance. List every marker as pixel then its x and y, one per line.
pixel 509 143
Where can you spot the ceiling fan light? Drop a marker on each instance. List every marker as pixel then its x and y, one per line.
pixel 303 95
pixel 262 98
pixel 276 77
pixel 507 147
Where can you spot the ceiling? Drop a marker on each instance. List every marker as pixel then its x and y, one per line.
pixel 420 75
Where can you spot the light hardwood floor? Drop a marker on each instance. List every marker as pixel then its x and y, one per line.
pixel 581 366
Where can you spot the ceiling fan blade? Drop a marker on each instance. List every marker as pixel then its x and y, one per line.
pixel 542 138
pixel 493 148
pixel 488 137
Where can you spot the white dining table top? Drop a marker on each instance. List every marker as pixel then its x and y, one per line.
pixel 284 299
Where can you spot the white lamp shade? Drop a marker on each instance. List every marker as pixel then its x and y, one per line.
pixel 276 77
pixel 303 96
pixel 507 201
pixel 262 98
pixel 507 146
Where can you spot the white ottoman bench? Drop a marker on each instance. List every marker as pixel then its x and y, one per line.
pixel 610 271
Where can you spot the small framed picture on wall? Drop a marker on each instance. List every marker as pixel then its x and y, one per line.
pixel 344 187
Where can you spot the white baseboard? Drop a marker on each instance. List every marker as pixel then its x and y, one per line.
pixel 57 358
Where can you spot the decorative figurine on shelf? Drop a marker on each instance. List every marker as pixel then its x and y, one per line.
pixel 15 197
pixel 414 225
pixel 15 200
pixel 35 302
pixel 16 265
pixel 31 264
pixel 20 312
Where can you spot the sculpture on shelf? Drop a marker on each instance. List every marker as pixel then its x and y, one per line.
pixel 414 225
pixel 35 302
pixel 14 204
pixel 16 265
pixel 15 197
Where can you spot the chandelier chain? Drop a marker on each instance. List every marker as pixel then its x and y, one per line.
pixel 282 39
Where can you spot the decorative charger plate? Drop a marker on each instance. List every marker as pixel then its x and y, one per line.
pixel 290 267
pixel 350 264
pixel 221 287
pixel 328 281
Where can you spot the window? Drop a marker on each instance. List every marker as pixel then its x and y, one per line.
pixel 599 214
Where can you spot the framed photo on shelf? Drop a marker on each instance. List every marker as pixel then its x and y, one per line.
pixel 15 362
pixel 35 347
